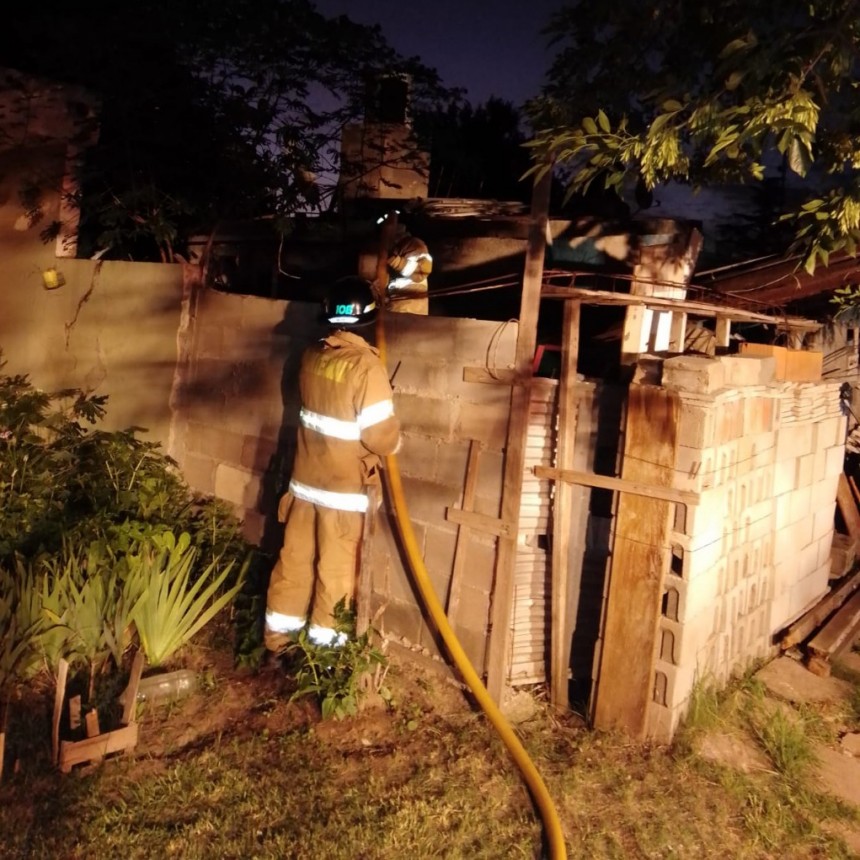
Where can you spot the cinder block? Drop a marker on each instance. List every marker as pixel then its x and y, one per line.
pixel 702 375
pixel 696 425
pixel 428 502
pixel 487 422
pixel 427 416
pixel 215 442
pixel 418 455
pixel 767 350
pixel 257 454
pixel 402 620
pixel 238 486
pixel 834 461
pixel 794 441
pixel 199 472
pixel 745 370
pixel 439 559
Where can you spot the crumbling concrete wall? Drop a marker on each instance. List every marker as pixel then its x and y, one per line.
pixel 754 552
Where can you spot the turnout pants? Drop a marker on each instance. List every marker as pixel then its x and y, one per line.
pixel 317 566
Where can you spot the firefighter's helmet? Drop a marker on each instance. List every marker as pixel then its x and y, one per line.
pixel 350 303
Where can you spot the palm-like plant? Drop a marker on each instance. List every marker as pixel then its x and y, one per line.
pixel 174 601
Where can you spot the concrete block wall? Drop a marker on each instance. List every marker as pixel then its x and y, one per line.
pixel 440 414
pixel 754 553
pixel 235 416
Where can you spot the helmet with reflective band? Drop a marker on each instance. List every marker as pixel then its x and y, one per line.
pixel 350 303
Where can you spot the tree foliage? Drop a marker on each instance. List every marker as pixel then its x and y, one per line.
pixel 476 151
pixel 711 93
pixel 208 110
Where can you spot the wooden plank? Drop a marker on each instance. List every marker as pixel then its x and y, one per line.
pixel 691 307
pixel 562 508
pixel 94 749
pixel 499 376
pixel 638 563
pixel 92 723
pixel 847 507
pixel 854 490
pixel 678 332
pixel 722 333
pixel 605 482
pixel 479 522
pixel 4 719
pixel 498 643
pixel 470 488
pixel 810 621
pixel 129 698
pixel 59 698
pixel 839 632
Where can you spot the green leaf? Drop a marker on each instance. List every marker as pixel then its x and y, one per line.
pixel 672 106
pixel 589 125
pixel 603 121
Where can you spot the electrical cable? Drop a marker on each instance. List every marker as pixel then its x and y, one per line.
pixel 531 776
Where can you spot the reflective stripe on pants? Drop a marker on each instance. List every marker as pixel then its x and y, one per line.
pixel 297 584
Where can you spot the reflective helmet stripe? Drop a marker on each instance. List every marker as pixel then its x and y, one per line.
pixel 349 430
pixel 356 502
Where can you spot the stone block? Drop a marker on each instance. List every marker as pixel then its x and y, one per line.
pixel 696 425
pixel 745 370
pixel 486 422
pixel 698 374
pixel 834 461
pixel 199 472
pixel 238 486
pixel 418 455
pixel 427 416
pixel 793 441
pixel 402 620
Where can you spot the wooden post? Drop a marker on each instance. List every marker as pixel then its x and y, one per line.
pixel 59 698
pixel 678 335
pixel 469 489
pixel 723 332
pixel 130 696
pixel 562 508
pixel 4 718
pixel 639 559
pixel 499 643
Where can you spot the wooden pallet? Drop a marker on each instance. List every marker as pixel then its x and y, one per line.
pixel 97 745
pixel 837 635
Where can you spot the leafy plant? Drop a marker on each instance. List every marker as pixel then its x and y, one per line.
pixel 338 675
pixel 174 604
pixel 19 630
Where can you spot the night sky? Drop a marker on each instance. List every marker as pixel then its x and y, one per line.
pixel 491 47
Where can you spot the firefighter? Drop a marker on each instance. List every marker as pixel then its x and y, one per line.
pixel 409 264
pixel 346 425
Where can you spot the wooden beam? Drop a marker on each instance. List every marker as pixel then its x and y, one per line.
pixel 619 485
pixel 562 508
pixel 498 645
pixel 59 698
pixel 625 680
pixel 837 636
pixel 723 332
pixel 678 333
pixel 810 621
pixel 848 507
pixel 480 522
pixel 95 749
pixel 693 308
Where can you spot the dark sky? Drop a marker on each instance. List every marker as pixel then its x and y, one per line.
pixel 491 47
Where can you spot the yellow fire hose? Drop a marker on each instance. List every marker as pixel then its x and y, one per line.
pixel 552 825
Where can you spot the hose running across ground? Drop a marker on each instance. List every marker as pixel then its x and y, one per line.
pixel 540 794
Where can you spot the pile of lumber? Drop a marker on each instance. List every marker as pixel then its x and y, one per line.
pixel 832 626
